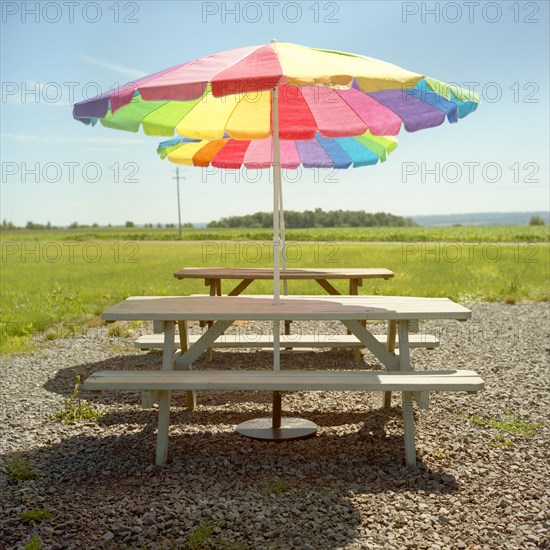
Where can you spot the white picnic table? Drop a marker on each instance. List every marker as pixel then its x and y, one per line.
pixel 223 311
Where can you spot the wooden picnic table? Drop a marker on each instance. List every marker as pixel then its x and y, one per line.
pixel 213 277
pixel 223 311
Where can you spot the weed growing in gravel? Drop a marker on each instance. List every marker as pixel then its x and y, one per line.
pixel 442 453
pixel 500 442
pixel 34 543
pixel 510 424
pixel 121 330
pixel 199 537
pixel 76 409
pixel 118 330
pixel 20 469
pixel 276 486
pixel 35 515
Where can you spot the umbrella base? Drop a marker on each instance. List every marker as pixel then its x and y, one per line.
pixel 291 429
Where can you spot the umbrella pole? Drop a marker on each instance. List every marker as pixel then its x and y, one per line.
pixel 276 224
pixel 277 428
pixel 283 237
pixel 276 196
pixel 276 416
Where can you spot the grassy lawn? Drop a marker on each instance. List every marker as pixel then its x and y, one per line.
pixel 53 287
pixel 470 233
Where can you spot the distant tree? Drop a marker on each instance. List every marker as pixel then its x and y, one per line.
pixel 95 225
pixel 7 225
pixel 130 224
pixel 159 225
pixel 536 220
pixel 35 226
pixel 316 218
pixel 187 225
pixel 74 225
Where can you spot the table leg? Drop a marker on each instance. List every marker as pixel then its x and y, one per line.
pixel 183 360
pixel 408 427
pixel 240 287
pixel 354 285
pixel 163 427
pixel 407 397
pixel 149 398
pixel 184 345
pixel 328 287
pixel 392 331
pixel 404 350
pixel 389 360
pixel 213 292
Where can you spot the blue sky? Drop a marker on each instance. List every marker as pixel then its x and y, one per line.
pixel 54 53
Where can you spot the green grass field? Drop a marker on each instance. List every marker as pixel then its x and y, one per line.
pixel 53 287
pixel 470 233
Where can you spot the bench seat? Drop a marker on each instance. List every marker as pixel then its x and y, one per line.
pixel 413 384
pixel 156 341
pixel 286 380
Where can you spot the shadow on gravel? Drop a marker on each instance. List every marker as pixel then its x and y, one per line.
pixel 304 485
pixel 302 488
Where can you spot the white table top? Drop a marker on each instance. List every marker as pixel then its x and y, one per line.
pixel 290 273
pixel 254 308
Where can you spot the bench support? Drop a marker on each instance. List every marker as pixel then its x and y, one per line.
pixel 408 427
pixel 163 426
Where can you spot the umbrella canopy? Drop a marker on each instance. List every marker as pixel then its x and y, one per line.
pixel 320 152
pixel 335 94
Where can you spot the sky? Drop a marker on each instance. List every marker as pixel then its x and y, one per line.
pixel 56 53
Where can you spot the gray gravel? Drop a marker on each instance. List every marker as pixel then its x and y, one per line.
pixel 476 486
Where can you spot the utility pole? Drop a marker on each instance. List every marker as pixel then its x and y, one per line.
pixel 177 178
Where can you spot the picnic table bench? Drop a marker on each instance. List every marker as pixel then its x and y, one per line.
pixel 224 311
pixel 415 385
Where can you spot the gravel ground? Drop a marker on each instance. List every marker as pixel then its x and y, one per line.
pixel 477 486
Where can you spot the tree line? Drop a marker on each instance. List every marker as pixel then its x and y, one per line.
pixel 316 218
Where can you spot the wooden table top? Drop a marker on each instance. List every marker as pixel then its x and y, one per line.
pixel 289 274
pixel 252 308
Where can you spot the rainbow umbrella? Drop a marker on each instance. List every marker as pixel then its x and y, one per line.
pixel 280 91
